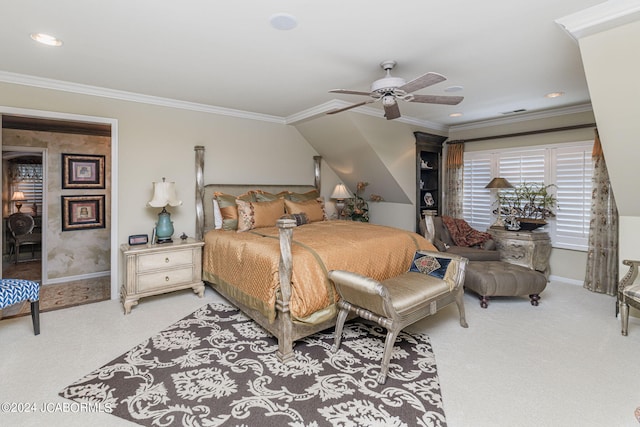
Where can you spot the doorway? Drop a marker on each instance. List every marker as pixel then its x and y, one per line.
pixel 68 276
pixel 22 212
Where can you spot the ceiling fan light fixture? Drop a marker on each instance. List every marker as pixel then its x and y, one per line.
pixel 388 100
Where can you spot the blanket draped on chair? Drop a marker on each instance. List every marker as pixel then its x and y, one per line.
pixel 463 234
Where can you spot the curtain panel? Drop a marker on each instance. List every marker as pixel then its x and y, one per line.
pixel 602 256
pixel 454 176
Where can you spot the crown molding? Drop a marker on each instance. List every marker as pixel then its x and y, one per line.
pixel 313 112
pixel 601 17
pixel 26 80
pixel 545 114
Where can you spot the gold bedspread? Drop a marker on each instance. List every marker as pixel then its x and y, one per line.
pixel 246 264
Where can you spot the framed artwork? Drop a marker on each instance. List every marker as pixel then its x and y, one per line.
pixel 82 212
pixel 82 171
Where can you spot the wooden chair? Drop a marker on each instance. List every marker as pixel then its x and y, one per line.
pixel 399 301
pixel 21 228
pixel 13 291
pixel 628 293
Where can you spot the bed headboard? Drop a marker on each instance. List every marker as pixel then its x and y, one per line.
pixel 204 193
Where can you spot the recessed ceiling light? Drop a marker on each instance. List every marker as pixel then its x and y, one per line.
pixel 46 39
pixel 283 21
pixel 554 94
pixel 455 115
pixel 454 89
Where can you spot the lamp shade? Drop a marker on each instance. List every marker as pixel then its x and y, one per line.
pixel 17 196
pixel 341 192
pixel 499 183
pixel 164 193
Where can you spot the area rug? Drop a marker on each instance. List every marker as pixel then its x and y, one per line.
pixel 217 367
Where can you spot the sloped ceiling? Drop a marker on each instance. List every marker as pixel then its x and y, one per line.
pixel 363 148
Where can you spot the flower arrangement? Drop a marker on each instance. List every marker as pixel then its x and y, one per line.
pixel 357 208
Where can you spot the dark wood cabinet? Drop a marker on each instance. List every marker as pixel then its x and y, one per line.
pixel 428 174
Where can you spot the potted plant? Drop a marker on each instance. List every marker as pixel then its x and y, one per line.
pixel 528 205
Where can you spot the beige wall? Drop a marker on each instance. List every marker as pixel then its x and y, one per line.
pixel 612 67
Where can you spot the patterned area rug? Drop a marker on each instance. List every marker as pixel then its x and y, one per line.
pixel 217 367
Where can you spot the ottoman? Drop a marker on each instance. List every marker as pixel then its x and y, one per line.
pixel 499 278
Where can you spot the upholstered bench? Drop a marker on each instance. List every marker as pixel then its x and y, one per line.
pixel 499 278
pixel 402 300
pixel 13 291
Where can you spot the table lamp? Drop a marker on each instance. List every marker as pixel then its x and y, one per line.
pixel 18 197
pixel 164 194
pixel 340 193
pixel 498 184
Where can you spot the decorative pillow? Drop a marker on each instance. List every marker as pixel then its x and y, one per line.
pixel 228 208
pixel 217 215
pixel 258 214
pixel 303 197
pixel 427 264
pixel 301 218
pixel 263 196
pixel 312 208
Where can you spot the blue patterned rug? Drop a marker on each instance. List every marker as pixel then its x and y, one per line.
pixel 216 367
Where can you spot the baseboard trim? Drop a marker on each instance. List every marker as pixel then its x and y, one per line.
pixel 76 278
pixel 566 280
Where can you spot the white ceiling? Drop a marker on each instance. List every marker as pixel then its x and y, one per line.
pixel 506 54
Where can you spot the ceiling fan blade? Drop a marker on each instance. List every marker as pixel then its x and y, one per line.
pixel 392 111
pixel 437 99
pixel 339 110
pixel 349 92
pixel 423 81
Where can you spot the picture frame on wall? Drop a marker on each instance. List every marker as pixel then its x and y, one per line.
pixel 83 212
pixel 83 171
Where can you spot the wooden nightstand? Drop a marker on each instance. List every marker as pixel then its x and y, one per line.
pixel 158 269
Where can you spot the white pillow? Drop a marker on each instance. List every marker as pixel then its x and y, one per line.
pixel 217 215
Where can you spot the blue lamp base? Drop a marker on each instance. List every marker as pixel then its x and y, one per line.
pixel 164 227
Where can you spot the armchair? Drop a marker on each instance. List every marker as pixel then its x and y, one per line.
pixel 444 243
pixel 398 302
pixel 21 228
pixel 628 293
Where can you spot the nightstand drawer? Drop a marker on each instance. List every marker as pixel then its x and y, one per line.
pixel 164 260
pixel 164 278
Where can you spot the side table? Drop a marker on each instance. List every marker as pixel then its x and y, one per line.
pixel 530 249
pixel 154 269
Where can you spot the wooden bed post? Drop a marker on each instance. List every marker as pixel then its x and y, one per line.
pixel 285 341
pixel 199 149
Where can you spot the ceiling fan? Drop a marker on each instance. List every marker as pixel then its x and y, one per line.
pixel 389 89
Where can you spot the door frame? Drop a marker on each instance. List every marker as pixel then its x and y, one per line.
pixel 40 114
pixel 45 212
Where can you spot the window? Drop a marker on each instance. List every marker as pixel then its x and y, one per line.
pixel 27 178
pixel 568 166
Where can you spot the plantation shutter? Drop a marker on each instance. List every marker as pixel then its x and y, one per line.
pixel 477 201
pixel 574 170
pixel 519 167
